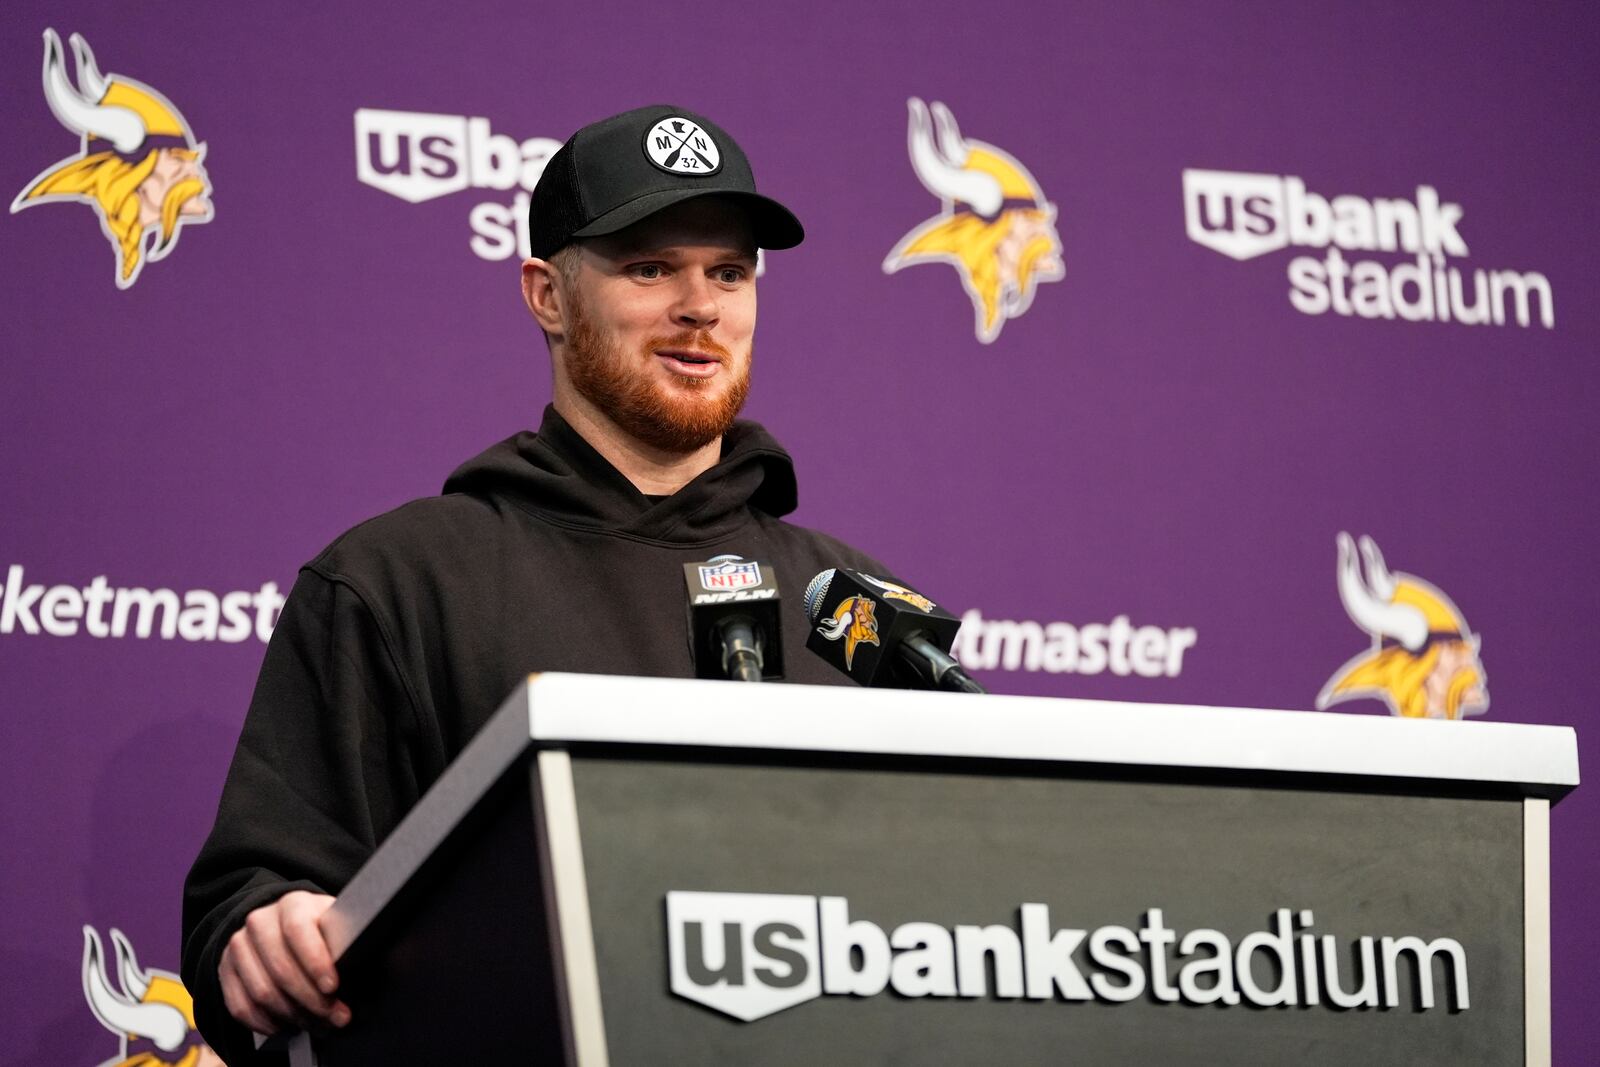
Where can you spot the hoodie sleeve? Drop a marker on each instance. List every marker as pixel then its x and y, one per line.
pixel 327 763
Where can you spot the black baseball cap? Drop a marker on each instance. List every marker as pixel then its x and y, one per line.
pixel 613 173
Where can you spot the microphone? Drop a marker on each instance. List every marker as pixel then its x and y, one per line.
pixel 883 634
pixel 734 629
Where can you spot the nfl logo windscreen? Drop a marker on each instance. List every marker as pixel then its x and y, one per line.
pixel 730 574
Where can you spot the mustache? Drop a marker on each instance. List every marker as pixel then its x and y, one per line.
pixel 699 340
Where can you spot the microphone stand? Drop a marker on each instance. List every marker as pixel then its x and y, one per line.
pixel 741 650
pixel 938 667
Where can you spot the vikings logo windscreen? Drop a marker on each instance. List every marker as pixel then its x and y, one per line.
pixel 1423 662
pixel 856 621
pixel 150 1011
pixel 137 166
pixel 994 225
pixel 892 591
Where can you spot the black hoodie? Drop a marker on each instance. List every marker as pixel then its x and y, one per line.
pixel 401 639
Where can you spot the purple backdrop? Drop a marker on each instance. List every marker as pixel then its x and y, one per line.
pixel 1169 432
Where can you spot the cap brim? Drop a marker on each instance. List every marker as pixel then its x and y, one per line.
pixel 775 225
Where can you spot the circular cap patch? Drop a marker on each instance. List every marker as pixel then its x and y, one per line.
pixel 681 146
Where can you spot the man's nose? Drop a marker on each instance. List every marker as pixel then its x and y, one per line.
pixel 697 306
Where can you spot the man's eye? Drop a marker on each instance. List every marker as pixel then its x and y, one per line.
pixel 730 275
pixel 648 270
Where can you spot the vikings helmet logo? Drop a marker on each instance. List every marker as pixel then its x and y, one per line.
pixel 901 593
pixel 1423 662
pixel 138 165
pixel 994 225
pixel 855 620
pixel 152 1015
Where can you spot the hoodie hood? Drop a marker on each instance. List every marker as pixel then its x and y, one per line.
pixel 559 476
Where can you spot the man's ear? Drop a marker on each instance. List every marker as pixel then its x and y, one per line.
pixel 541 291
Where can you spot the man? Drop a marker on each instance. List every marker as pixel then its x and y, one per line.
pixel 556 550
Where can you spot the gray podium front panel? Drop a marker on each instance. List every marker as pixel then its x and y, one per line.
pixel 969 849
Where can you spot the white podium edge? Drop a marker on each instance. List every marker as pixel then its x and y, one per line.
pixel 579 982
pixel 1536 930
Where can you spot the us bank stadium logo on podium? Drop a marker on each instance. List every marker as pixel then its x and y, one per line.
pixel 1243 216
pixel 137 165
pixel 750 955
pixel 994 225
pixel 420 156
pixel 747 955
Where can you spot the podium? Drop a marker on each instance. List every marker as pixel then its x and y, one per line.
pixel 645 871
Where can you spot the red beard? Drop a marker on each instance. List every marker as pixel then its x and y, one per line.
pixel 682 417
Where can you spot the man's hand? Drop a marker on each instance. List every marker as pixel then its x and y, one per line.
pixel 276 970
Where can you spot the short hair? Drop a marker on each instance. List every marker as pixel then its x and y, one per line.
pixel 565 261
